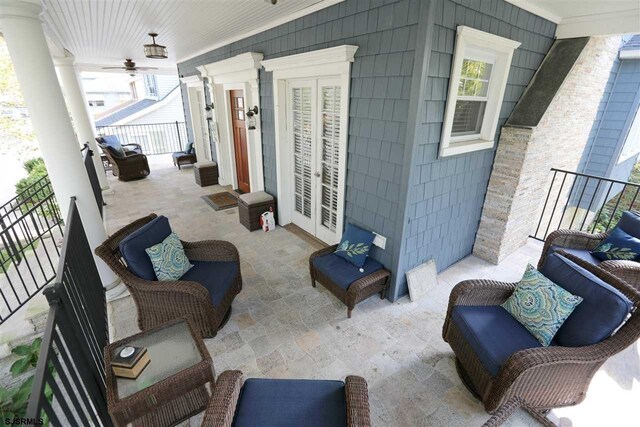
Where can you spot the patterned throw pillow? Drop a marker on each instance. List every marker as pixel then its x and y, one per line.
pixel 618 245
pixel 168 258
pixel 540 305
pixel 355 245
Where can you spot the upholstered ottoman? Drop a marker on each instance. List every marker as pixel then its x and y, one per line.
pixel 252 205
pixel 206 173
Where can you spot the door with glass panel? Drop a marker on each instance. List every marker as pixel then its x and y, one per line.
pixel 316 120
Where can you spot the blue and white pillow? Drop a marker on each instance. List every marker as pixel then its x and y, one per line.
pixel 355 245
pixel 168 258
pixel 618 246
pixel 540 305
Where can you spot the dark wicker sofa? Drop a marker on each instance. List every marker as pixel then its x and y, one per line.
pixel 579 243
pixel 538 378
pixel 160 301
pixel 286 402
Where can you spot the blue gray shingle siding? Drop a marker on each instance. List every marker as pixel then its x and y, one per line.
pixel 444 197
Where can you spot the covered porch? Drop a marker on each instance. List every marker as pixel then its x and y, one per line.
pixel 281 327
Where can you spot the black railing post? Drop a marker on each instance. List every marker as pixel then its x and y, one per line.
pixel 9 244
pixel 179 138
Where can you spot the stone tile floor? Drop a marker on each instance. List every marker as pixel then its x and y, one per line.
pixel 281 327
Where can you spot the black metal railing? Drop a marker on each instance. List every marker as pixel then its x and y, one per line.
pixel 30 233
pixel 69 381
pixel 87 158
pixel 589 203
pixel 157 138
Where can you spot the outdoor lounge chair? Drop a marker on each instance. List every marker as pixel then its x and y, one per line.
pixel 579 243
pixel 505 367
pixel 186 157
pixel 285 402
pixel 204 293
pixel 128 164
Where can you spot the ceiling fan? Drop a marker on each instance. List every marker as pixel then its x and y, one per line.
pixel 130 67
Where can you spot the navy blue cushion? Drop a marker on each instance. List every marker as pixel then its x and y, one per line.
pixel 493 334
pixel 630 224
pixel 113 142
pixel 282 403
pixel 216 276
pixel 618 245
pixel 601 312
pixel 355 245
pixel 133 246
pixel 342 272
pixel 580 253
pixel 189 149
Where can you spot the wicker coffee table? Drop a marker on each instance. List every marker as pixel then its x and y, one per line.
pixel 172 388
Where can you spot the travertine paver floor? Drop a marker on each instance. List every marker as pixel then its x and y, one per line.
pixel 281 327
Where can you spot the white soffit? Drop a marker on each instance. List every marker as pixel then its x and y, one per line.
pixel 582 18
pixel 105 32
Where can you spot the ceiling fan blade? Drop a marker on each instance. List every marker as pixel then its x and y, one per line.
pixel 113 68
pixel 146 68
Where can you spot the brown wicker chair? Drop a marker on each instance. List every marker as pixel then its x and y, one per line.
pixel 629 271
pixel 227 394
pixel 539 378
pixel 132 166
pixel 158 302
pixel 360 290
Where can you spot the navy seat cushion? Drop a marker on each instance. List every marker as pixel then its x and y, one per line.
pixel 342 272
pixel 308 403
pixel 630 224
pixel 132 247
pixel 216 276
pixel 580 253
pixel 601 312
pixel 493 334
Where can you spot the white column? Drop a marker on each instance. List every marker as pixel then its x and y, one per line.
pixel 79 110
pixel 22 29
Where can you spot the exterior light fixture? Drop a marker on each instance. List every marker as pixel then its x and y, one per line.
pixel 251 118
pixel 155 50
pixel 209 110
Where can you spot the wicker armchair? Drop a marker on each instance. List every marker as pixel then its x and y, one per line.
pixel 360 290
pixel 133 165
pixel 158 302
pixel 538 378
pixel 629 271
pixel 228 397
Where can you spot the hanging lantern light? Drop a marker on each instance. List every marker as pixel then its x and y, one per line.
pixel 251 118
pixel 154 50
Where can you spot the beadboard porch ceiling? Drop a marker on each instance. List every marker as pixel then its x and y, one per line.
pixel 105 32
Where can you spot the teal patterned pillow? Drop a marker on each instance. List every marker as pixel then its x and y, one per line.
pixel 168 258
pixel 540 305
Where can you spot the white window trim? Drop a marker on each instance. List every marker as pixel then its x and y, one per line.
pixel 330 62
pixel 238 72
pixel 474 43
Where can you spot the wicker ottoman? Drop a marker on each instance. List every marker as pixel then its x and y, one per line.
pixel 252 205
pixel 206 173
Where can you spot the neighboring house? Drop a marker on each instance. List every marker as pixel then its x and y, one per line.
pixel 153 119
pixel 614 143
pixel 105 91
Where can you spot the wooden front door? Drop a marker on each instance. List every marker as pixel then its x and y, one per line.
pixel 240 140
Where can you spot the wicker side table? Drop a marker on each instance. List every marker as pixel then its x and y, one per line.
pixel 172 388
pixel 252 205
pixel 206 173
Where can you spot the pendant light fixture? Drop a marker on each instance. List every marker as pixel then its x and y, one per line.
pixel 155 50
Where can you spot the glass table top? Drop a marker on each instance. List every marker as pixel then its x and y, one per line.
pixel 171 350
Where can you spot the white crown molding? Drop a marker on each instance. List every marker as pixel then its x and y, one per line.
pixel 191 80
pixel 490 40
pixel 236 64
pixel 322 4
pixel 602 24
pixel 536 9
pixel 332 55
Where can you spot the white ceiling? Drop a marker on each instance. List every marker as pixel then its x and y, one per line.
pixel 578 18
pixel 105 32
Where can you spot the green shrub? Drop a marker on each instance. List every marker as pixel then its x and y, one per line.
pixel 30 196
pixel 30 164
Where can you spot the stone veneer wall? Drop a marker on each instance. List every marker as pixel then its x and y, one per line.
pixel 520 177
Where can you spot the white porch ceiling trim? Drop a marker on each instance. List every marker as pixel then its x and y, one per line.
pixel 622 22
